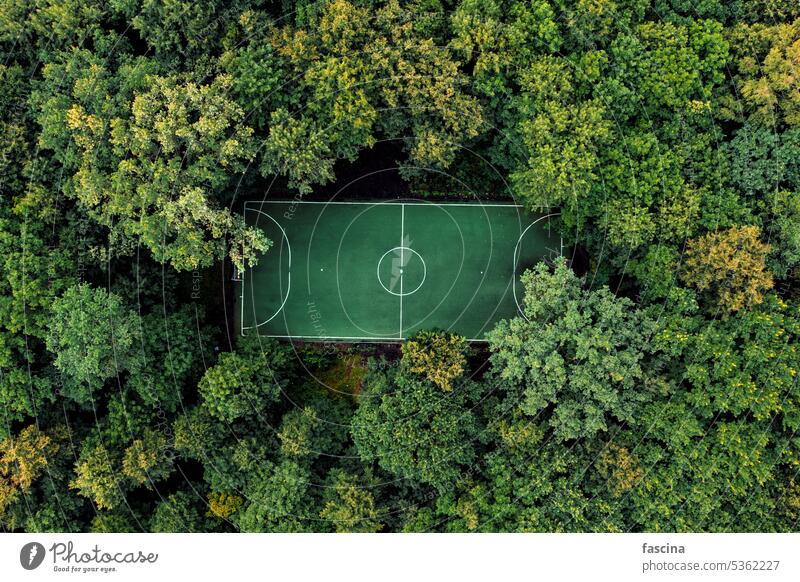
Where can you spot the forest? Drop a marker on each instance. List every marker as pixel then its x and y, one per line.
pixel 651 384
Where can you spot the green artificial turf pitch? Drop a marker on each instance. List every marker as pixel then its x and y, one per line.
pixel 380 271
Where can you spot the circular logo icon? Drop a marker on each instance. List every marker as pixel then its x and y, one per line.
pixel 31 555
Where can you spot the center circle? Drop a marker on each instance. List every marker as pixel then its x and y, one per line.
pixel 401 271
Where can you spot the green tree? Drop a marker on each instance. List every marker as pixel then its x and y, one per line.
pixel 152 170
pixel 171 351
pixel 674 68
pixel 245 382
pixel 94 337
pixel 112 523
pixel 784 232
pixel 181 512
pixel 297 433
pixel 764 161
pixel 527 482
pixel 719 441
pixel 178 30
pixel 742 365
pixel 37 264
pixel 562 132
pixel 359 75
pixel 350 504
pixel 502 38
pixel 576 358
pixel 414 430
pixel 279 500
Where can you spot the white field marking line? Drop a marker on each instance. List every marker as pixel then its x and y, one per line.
pixel 516 254
pixel 289 275
pixel 402 264
pixel 357 338
pixel 244 270
pixel 388 202
pixel 424 271
pixel 366 339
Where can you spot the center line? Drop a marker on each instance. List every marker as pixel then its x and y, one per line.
pixel 402 250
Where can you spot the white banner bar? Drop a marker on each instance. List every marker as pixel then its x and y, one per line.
pixel 400 557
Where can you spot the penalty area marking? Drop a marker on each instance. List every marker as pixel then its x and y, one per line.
pixel 288 277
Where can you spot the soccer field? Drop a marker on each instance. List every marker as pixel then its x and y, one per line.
pixel 380 271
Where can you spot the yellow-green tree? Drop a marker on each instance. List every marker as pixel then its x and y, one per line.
pixel 223 505
pixel 766 73
pixel 98 476
pixel 23 458
pixel 730 266
pixel 620 468
pixel 148 459
pixel 440 357
pixel 350 504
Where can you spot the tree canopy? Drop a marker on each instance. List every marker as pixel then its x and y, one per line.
pixel 648 381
